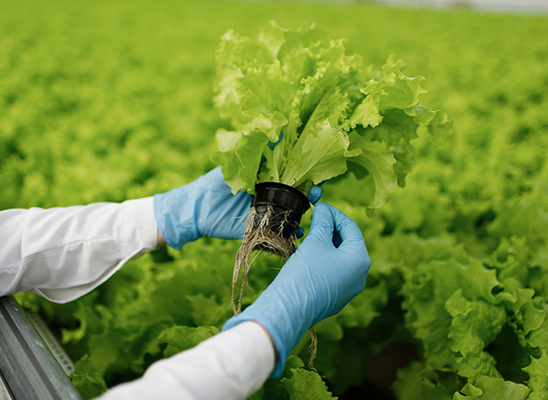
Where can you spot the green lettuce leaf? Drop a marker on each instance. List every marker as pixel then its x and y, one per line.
pixel 489 388
pixel 239 157
pixel 319 157
pixel 378 161
pixel 436 121
pixel 181 338
pixel 305 385
pixel 526 311
pixel 365 306
pixel 87 380
pixel 538 377
pixel 417 381
pixel 439 292
pixel 475 325
pixel 392 90
pixel 208 311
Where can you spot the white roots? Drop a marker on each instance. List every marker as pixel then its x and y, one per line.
pixel 259 236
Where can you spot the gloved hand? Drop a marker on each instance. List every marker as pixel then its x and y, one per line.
pixel 313 196
pixel 205 207
pixel 328 269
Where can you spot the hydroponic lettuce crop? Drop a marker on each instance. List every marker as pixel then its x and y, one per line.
pixel 304 112
pixel 107 102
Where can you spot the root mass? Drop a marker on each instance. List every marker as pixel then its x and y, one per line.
pixel 259 235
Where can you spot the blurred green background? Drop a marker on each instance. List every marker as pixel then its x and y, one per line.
pixel 107 101
pixel 112 100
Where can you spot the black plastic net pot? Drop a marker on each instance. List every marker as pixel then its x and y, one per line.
pixel 286 204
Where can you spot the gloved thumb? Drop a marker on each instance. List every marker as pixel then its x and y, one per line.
pixel 314 194
pixel 322 225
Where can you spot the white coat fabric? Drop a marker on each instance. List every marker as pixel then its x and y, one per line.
pixel 63 253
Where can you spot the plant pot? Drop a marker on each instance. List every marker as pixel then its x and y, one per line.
pixel 287 203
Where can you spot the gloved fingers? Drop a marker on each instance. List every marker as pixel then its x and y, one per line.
pixel 241 205
pixel 349 232
pixel 323 224
pixel 337 241
pixel 215 176
pixel 333 227
pixel 226 217
pixel 314 194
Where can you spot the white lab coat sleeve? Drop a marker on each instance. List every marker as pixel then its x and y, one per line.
pixel 64 253
pixel 231 365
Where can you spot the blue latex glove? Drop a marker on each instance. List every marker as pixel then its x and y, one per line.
pixel 313 196
pixel 205 207
pixel 317 281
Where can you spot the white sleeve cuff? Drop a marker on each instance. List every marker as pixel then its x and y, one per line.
pixel 231 365
pixel 139 229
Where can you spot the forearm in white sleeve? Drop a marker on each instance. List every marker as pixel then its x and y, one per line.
pixel 63 253
pixel 231 365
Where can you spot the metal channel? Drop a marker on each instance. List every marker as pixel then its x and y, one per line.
pixel 27 367
pixel 4 392
pixel 53 345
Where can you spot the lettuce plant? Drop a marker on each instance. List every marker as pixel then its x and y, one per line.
pixel 303 112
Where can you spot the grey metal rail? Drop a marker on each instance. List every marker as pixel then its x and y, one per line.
pixel 28 369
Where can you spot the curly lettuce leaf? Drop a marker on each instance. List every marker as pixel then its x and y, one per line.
pixel 417 381
pixel 393 90
pixel 437 123
pixel 378 161
pixel 239 156
pixel 305 384
pixel 207 311
pixel 538 377
pixel 442 300
pixel 487 388
pixel 179 338
pixel 475 324
pixel 87 380
pixel 318 157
